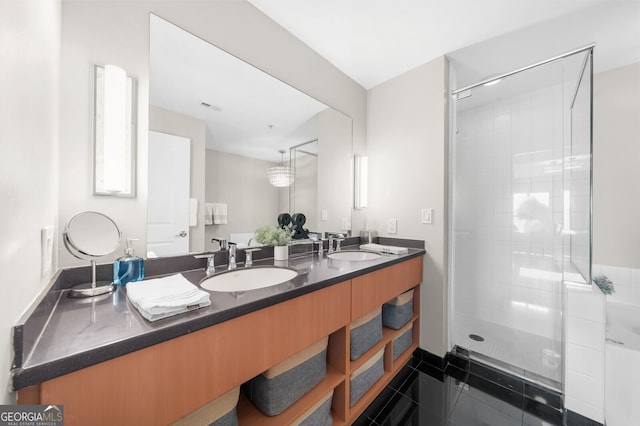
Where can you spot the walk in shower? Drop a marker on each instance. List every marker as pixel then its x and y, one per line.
pixel 520 182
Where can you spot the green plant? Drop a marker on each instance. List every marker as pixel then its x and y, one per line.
pixel 273 235
pixel 604 284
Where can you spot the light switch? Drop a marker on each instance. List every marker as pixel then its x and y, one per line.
pixel 46 249
pixel 427 216
pixel 392 226
pixel 324 215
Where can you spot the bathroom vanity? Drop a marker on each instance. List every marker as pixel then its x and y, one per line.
pixel 156 373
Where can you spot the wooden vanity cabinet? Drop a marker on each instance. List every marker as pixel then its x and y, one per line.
pixel 162 383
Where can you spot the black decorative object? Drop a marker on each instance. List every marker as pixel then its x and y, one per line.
pixel 298 220
pixel 284 220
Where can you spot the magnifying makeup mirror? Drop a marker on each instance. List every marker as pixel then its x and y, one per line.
pixel 90 235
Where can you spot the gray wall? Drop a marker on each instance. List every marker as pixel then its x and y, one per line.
pixel 29 136
pixel 407 129
pixel 241 183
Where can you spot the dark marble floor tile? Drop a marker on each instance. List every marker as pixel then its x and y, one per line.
pixel 408 412
pixel 458 361
pixel 431 371
pixel 471 411
pixel 496 392
pixel 381 402
pixel 543 395
pixel 364 420
pixel 575 419
pixel 456 373
pixel 404 374
pixel 542 411
pixel 490 374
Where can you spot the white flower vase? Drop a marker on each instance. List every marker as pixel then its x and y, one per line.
pixel 280 252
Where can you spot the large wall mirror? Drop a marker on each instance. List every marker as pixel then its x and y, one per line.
pixel 240 122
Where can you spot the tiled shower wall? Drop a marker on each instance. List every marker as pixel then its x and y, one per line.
pixel 506 203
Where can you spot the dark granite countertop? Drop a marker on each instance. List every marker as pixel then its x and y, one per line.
pixel 78 333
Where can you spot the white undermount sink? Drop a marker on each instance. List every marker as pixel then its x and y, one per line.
pixel 354 256
pixel 243 279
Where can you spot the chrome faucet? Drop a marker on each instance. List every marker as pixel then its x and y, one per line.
pixel 320 244
pixel 232 256
pixel 248 256
pixel 334 236
pixel 211 263
pixel 221 241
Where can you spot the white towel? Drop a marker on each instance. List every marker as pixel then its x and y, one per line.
pixel 384 249
pixel 219 214
pixel 193 212
pixel 208 213
pixel 164 297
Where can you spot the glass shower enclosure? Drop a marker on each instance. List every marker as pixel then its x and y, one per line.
pixel 520 213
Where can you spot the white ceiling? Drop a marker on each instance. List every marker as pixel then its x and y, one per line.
pixel 374 40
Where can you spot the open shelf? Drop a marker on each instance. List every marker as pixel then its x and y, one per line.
pixel 248 413
pixel 388 335
pixel 366 399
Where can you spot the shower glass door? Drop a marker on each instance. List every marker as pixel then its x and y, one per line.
pixel 512 195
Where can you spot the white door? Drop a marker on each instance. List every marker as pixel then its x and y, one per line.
pixel 168 202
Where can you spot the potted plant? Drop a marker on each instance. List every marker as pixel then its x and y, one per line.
pixel 277 237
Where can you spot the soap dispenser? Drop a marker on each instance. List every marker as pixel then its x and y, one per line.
pixel 129 267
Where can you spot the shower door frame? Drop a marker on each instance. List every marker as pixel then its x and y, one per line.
pixel 465 92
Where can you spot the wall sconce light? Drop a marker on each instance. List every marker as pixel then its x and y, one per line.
pixel 361 177
pixel 114 155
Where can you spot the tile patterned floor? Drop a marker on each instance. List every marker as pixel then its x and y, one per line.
pixel 423 395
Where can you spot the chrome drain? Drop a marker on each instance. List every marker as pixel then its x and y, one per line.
pixel 476 337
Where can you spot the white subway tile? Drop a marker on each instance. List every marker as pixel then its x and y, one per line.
pixel 585 333
pixel 585 389
pixel 589 362
pixel 587 305
pixel 618 275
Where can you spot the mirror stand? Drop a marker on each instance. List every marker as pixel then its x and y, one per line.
pixel 88 235
pixel 92 288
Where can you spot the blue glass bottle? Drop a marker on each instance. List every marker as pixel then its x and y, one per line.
pixel 129 267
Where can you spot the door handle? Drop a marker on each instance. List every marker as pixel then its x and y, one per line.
pixel 182 234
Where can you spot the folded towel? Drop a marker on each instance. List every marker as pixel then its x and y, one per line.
pixel 384 249
pixel 208 213
pixel 219 214
pixel 164 297
pixel 193 212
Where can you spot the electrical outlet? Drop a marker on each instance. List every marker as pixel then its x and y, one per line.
pixel 392 226
pixel 427 216
pixel 346 224
pixel 46 249
pixel 324 215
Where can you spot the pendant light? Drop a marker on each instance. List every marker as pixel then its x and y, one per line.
pixel 281 176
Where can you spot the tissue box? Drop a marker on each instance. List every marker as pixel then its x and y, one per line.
pixel 365 332
pixel 398 311
pixel 364 377
pixel 219 412
pixel 318 415
pixel 402 341
pixel 281 386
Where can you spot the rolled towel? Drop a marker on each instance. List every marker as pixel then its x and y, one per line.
pixel 164 297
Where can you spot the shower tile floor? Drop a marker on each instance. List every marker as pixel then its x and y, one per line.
pixel 530 352
pixel 423 395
